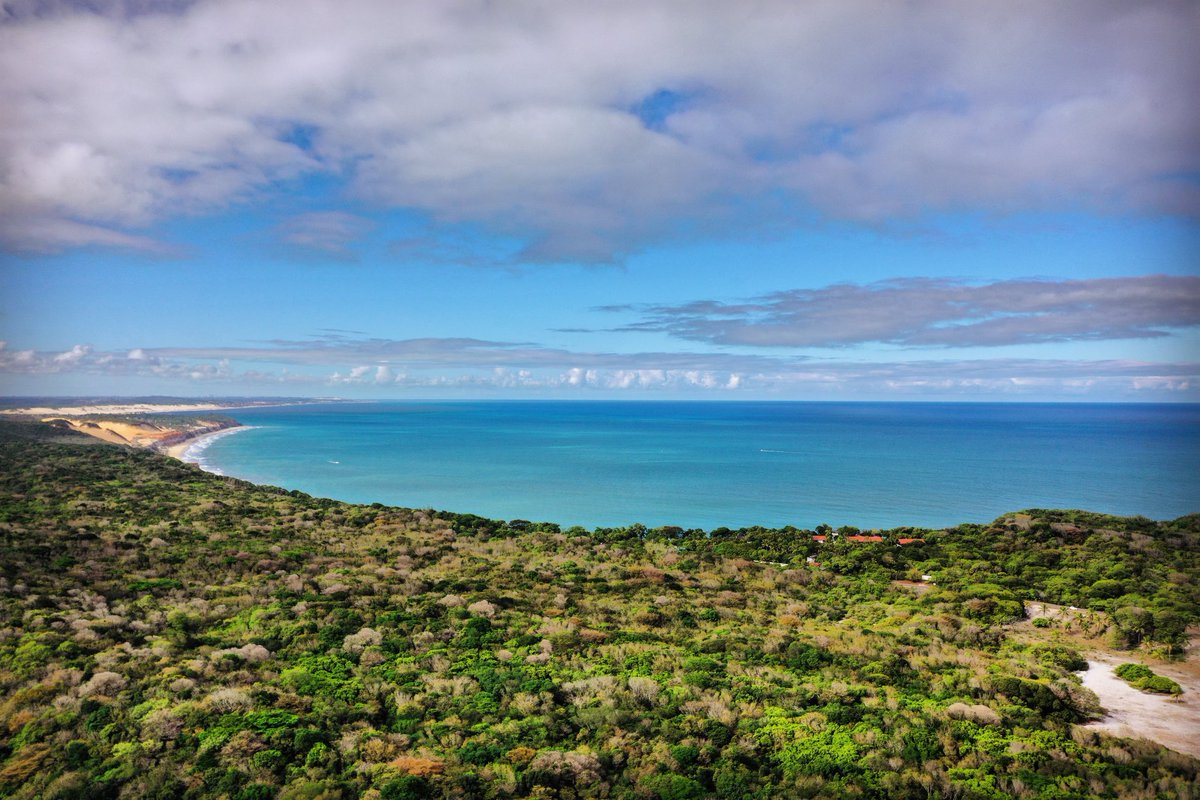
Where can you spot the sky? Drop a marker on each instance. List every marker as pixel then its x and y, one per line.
pixel 843 200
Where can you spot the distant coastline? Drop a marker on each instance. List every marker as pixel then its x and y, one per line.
pixel 163 427
pixel 181 430
pixel 106 409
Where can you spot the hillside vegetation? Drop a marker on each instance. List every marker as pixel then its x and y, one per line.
pixel 167 633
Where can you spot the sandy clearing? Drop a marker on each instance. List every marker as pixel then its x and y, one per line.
pixel 1130 713
pixel 1035 609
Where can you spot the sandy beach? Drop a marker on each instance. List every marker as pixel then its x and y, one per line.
pixel 189 449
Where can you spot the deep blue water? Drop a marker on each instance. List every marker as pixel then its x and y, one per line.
pixel 733 464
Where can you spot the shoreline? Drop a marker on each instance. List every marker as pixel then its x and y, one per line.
pixel 190 450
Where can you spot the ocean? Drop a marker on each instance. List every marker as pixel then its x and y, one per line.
pixel 732 464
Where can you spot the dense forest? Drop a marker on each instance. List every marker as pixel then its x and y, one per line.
pixel 167 633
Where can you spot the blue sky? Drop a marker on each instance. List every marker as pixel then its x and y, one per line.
pixel 847 200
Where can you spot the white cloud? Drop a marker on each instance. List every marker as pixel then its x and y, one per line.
pixel 940 312
pixel 74 355
pixel 324 234
pixel 549 121
pixel 573 180
pixel 467 365
pixel 1160 382
pixel 33 233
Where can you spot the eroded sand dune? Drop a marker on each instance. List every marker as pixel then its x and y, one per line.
pixel 138 434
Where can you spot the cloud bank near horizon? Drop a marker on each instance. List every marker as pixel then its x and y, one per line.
pixel 374 367
pixel 586 132
pixel 938 312
pixel 773 337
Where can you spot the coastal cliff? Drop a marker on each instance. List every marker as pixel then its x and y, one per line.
pixel 158 433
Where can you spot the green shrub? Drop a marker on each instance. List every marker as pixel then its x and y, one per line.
pixel 269 760
pixel 77 753
pixel 1142 677
pixel 318 755
pixel 257 791
pixel 479 754
pixel 921 745
pixel 685 755
pixel 1160 684
pixel 1133 672
pixel 1060 656
pixel 151 584
pixel 733 782
pixel 830 753
pixel 406 787
pixel 672 787
pixel 804 657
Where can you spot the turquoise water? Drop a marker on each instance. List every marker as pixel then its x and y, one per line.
pixel 733 464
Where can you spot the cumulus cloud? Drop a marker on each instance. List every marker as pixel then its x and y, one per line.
pixel 937 312
pixel 74 355
pixel 521 119
pixel 83 358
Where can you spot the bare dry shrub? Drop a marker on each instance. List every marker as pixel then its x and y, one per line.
pixel 482 608
pixel 161 724
pixel 980 714
pixel 377 750
pixel 355 643
pixel 227 700
pixel 644 689
pixel 574 767
pixel 103 683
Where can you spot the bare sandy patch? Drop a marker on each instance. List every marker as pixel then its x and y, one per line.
pixel 1134 714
